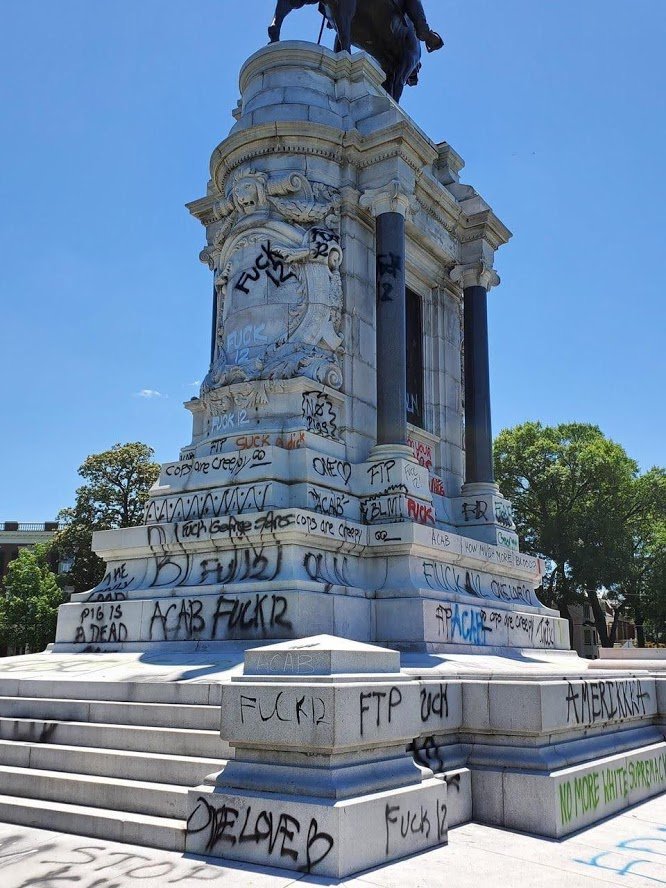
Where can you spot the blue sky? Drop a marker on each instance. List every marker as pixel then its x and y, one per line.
pixel 109 113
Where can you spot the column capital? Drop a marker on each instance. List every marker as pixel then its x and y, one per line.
pixel 476 274
pixel 390 198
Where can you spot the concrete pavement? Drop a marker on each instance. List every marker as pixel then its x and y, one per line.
pixel 628 850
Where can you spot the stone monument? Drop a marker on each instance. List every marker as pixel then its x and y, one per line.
pixel 333 524
pixel 349 265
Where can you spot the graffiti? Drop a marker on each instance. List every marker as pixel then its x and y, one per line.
pixel 328 467
pixel 384 507
pixel 389 266
pixel 271 263
pixel 329 502
pixel 252 614
pixel 304 709
pixel 101 624
pixel 319 415
pixel 621 860
pixel 325 568
pixel 253 563
pixel 194 619
pixel 422 452
pixel 437 486
pixel 596 789
pixel 96 866
pixel 229 421
pixel 434 703
pixel 231 465
pixel 235 500
pixel 440 539
pixel 419 512
pixel 504 514
pixel 292 441
pixel 252 442
pixel 409 822
pixel 112 587
pixel 275 833
pixel 380 704
pixel 239 342
pixel 456 623
pixel 380 473
pixel 475 511
pixel 447 578
pixel 603 701
pixel 508 591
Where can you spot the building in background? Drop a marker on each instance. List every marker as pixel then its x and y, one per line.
pixel 585 638
pixel 15 536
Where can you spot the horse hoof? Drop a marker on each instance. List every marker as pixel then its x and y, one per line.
pixel 273 34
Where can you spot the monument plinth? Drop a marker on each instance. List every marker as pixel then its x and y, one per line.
pixel 324 489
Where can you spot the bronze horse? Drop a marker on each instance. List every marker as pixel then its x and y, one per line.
pixel 383 28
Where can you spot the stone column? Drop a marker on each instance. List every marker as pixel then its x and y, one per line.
pixel 476 281
pixel 390 206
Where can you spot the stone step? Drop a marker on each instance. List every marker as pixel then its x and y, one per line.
pixel 135 796
pixel 112 712
pixel 156 768
pixel 172 692
pixel 170 741
pixel 97 823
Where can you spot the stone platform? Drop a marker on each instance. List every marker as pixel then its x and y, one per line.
pixel 623 852
pixel 110 745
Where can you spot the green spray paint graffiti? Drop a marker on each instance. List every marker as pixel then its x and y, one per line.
pixel 582 795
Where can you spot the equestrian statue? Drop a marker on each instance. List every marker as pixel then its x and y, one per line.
pixel 391 31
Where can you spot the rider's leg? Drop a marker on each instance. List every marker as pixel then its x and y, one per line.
pixel 416 12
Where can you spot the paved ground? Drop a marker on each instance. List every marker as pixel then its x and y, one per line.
pixel 628 850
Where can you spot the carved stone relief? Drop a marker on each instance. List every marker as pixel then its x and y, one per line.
pixel 275 250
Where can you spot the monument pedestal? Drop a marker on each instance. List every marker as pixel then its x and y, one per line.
pixel 351 265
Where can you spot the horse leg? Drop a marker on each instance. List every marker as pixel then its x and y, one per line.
pixel 282 10
pixel 344 15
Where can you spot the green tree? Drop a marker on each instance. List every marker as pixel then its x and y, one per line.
pixel 114 495
pixel 29 606
pixel 575 493
pixel 641 589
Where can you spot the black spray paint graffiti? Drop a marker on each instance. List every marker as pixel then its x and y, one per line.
pixel 388 506
pixel 232 465
pixel 113 586
pixel 101 624
pixel 329 467
pixel 234 500
pixel 435 703
pixel 594 702
pixel 333 570
pixel 319 414
pixel 279 834
pixel 252 563
pixel 271 263
pixel 306 709
pixel 475 511
pixel 389 266
pixel 233 616
pixel 328 502
pixel 411 822
pixel 379 705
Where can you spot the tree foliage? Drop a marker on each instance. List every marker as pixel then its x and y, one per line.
pixel 581 504
pixel 29 606
pixel 114 495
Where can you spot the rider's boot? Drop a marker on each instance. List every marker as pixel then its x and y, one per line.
pixel 433 41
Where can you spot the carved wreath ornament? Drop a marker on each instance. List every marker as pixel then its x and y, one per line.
pixel 274 246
